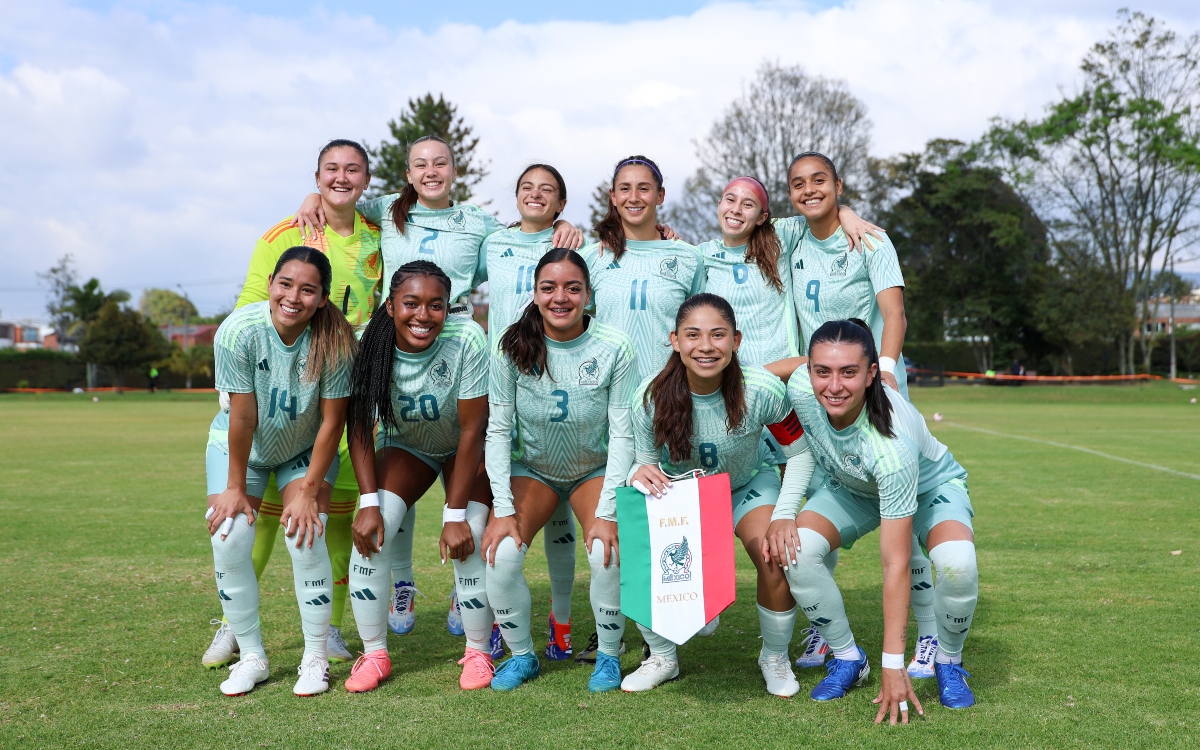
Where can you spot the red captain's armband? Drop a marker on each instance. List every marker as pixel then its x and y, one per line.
pixel 788 431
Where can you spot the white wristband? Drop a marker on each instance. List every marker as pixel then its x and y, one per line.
pixel 893 661
pixel 453 515
pixel 369 500
pixel 888 365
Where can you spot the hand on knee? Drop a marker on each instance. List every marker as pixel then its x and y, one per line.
pixel 596 556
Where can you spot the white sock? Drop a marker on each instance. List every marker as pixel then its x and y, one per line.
pixel 606 600
pixel 369 578
pixel 921 579
pixel 558 536
pixel 237 585
pixel 470 579
pixel 313 576
pixel 402 565
pixel 659 646
pixel 508 593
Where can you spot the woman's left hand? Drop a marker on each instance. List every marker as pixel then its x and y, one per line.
pixel 895 690
pixel 858 231
pixel 301 518
pixel 567 235
pixel 456 542
pixel 606 532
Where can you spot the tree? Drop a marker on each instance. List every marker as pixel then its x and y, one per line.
pixel 197 360
pixel 426 116
pixel 784 112
pixel 1116 167
pixel 1069 285
pixel 61 278
pixel 164 307
pixel 121 340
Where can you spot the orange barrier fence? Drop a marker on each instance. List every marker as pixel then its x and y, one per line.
pixel 1000 376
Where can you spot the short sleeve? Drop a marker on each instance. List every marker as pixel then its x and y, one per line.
pixel 234 368
pixel 473 382
pixel 336 384
pixel 502 379
pixel 883 266
pixel 896 477
pixel 374 209
pixel 491 224
pixel 790 231
pixel 699 276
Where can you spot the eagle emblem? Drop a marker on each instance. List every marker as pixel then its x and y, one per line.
pixel 440 374
pixel 458 220
pixel 676 562
pixel 853 465
pixel 589 372
pixel 841 265
pixel 669 267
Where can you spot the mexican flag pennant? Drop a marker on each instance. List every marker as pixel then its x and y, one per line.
pixel 677 555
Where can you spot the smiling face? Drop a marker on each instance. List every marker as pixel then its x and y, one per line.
pixel 706 342
pixel 636 196
pixel 812 188
pixel 295 294
pixel 560 294
pixel 739 212
pixel 342 176
pixel 538 198
pixel 431 172
pixel 840 375
pixel 418 308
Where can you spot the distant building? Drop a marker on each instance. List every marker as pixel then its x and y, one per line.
pixel 1187 315
pixel 196 333
pixel 26 334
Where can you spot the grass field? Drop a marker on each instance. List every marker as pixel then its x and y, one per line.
pixel 1085 636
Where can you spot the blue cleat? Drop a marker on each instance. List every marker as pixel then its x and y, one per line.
pixel 607 674
pixel 842 676
pixel 515 672
pixel 559 647
pixel 454 624
pixel 497 644
pixel 953 691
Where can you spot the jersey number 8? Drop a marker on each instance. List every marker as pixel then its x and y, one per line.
pixel 708 455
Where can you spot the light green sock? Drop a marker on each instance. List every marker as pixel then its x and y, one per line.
pixel 606 600
pixel 815 592
pixel 470 578
pixel 313 577
pixel 955 595
pixel 922 591
pixel 339 540
pixel 558 536
pixel 776 629
pixel 508 593
pixel 659 646
pixel 370 590
pixel 237 586
pixel 402 564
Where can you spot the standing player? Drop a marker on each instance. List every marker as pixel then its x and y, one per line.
pixel 351 244
pixel 286 364
pixel 424 377
pixel 705 412
pixel 565 381
pixel 884 469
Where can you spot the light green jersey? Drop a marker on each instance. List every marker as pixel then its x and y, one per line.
pixel 450 237
pixel 426 387
pixel 640 293
pixel 251 358
pixel 512 256
pixel 562 416
pixel 790 230
pixel 764 313
pixel 874 467
pixel 715 447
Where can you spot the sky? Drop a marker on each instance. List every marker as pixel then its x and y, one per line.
pixel 156 141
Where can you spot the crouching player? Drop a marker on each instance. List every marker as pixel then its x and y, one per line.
pixel 286 364
pixel 884 470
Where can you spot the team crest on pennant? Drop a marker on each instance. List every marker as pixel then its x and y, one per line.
pixel 841 265
pixel 589 372
pixel 669 268
pixel 458 220
pixel 440 373
pixel 676 562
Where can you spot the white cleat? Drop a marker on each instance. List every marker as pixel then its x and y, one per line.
pixel 922 664
pixel 314 676
pixel 336 647
pixel 654 671
pixel 250 670
pixel 710 628
pixel 402 616
pixel 816 650
pixel 778 673
pixel 223 647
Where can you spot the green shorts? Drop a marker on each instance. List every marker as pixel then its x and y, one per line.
pixel 762 490
pixel 856 517
pixel 518 469
pixel 216 463
pixel 392 440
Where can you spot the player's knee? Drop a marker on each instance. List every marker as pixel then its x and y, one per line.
pixel 814 547
pixel 508 556
pixel 392 508
pixel 477 518
pixel 957 569
pixel 309 556
pixel 237 545
pixel 596 556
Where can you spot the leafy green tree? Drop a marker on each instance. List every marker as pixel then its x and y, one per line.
pixel 121 340
pixel 197 360
pixel 1069 285
pixel 427 116
pixel 163 307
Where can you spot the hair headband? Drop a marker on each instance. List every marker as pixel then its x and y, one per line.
pixel 627 162
pixel 755 186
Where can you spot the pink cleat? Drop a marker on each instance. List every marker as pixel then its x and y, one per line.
pixel 370 670
pixel 477 670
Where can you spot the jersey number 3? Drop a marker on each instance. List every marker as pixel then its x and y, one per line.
pixel 561 405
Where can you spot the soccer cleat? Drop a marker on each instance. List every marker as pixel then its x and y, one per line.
pixel 454 618
pixel 778 673
pixel 497 644
pixel 336 646
pixel 816 651
pixel 842 676
pixel 559 647
pixel 250 670
pixel 922 664
pixel 402 615
pixel 953 691
pixel 224 645
pixel 515 672
pixel 588 654
pixel 607 674
pixel 477 670
pixel 314 676
pixel 370 670
pixel 709 628
pixel 654 671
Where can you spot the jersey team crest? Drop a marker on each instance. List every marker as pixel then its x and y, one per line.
pixel 589 372
pixel 458 220
pixel 841 264
pixel 440 373
pixel 669 268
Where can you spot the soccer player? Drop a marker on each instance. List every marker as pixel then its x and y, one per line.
pixel 422 223
pixel 351 244
pixel 705 412
pixel 640 279
pixel 285 364
pixel 566 381
pixel 424 377
pixel 884 469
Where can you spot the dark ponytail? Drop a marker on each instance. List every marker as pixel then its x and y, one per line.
pixel 332 337
pixel 524 342
pixel 371 382
pixel 855 331
pixel 408 196
pixel 609 229
pixel 672 396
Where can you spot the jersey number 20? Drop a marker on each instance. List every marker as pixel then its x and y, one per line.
pixel 429 408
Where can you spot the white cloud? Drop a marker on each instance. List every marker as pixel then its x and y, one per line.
pixel 157 151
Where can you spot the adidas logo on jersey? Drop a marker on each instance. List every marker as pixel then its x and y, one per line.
pixel 613 266
pixel 507 253
pixel 720 254
pixel 264 365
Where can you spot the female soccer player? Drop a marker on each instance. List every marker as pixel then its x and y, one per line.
pixel 641 279
pixel 286 364
pixel 705 412
pixel 424 377
pixel 884 470
pixel 566 380
pixel 352 245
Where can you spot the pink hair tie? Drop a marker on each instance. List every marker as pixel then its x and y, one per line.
pixel 760 192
